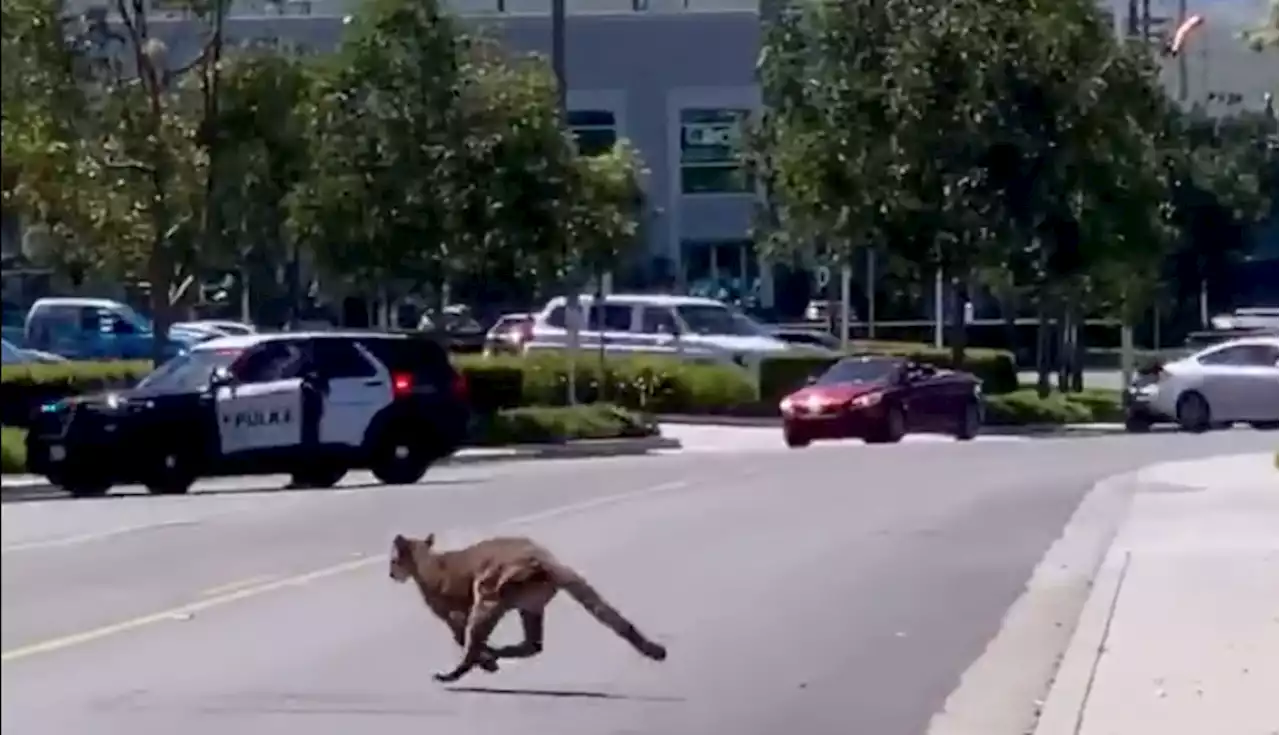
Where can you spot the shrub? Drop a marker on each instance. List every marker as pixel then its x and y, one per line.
pixel 546 424
pixel 24 387
pixel 491 386
pixel 643 383
pixel 13 450
pixel 786 373
pixel 1025 408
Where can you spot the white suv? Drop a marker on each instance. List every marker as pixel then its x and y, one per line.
pixel 687 327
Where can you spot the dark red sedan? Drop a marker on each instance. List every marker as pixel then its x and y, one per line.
pixel 881 399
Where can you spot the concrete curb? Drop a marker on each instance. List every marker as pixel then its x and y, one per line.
pixel 29 487
pixel 1069 694
pixel 1003 691
pixel 1096 429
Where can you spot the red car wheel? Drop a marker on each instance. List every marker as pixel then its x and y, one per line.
pixel 891 430
pixel 795 439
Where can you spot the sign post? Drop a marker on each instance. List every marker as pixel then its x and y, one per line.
pixel 846 283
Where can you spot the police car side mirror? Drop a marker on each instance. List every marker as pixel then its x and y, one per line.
pixel 220 378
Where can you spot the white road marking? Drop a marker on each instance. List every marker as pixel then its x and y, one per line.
pixel 217 598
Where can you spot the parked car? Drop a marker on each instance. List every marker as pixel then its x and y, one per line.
pixel 1233 381
pixel 811 337
pixel 880 400
pixel 14 355
pixel 95 329
pixel 216 327
pixel 687 327
pixel 508 335
pixel 1252 317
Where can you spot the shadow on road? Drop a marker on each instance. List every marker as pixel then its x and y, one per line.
pixel 563 694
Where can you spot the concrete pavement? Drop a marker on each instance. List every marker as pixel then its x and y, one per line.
pixel 824 591
pixel 1180 634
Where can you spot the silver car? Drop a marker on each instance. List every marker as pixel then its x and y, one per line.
pixel 1236 381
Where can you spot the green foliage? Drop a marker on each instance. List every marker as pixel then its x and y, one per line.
pixel 649 384
pixel 1027 408
pixel 1014 140
pixel 548 424
pixel 413 156
pixel 1266 36
pixel 23 388
pixel 13 450
pixel 386 122
pixel 782 375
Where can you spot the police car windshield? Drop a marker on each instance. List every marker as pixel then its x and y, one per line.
pixel 188 372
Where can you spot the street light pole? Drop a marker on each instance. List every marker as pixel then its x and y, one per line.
pixel 572 306
pixel 557 56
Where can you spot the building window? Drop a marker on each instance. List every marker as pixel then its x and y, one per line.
pixel 595 131
pixel 711 152
pixel 721 269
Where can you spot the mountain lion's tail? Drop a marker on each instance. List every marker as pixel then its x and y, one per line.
pixel 580 590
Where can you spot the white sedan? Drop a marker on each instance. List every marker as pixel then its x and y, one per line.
pixel 1237 381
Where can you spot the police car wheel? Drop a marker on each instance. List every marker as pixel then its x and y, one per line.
pixel 399 461
pixel 318 477
pixel 80 487
pixel 170 476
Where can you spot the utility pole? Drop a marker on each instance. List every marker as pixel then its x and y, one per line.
pixel 557 57
pixel 1182 58
pixel 573 306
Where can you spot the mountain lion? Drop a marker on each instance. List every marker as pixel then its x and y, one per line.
pixel 471 589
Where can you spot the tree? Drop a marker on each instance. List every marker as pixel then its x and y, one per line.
pixel 433 155
pixel 259 130
pixel 518 168
pixel 42 110
pixel 121 175
pixel 821 146
pixel 1267 35
pixel 606 202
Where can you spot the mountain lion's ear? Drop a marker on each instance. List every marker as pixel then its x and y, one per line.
pixel 429 541
pixel 401 544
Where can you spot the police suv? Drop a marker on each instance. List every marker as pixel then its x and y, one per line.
pixel 312 405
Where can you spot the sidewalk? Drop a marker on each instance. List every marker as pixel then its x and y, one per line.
pixel 1179 635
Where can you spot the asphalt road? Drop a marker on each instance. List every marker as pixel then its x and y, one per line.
pixel 830 590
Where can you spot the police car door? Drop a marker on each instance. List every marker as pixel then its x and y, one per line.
pixel 359 387
pixel 262 408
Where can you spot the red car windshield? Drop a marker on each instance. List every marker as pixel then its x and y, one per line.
pixel 859 370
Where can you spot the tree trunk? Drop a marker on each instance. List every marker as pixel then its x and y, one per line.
pixel 1077 358
pixel 158 274
pixel 1064 351
pixel 1043 342
pixel 959 328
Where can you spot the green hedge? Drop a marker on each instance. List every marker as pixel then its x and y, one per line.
pixel 643 383
pixel 24 387
pixel 534 425
pixel 545 424
pixel 995 368
pixel 13 450
pixel 1026 408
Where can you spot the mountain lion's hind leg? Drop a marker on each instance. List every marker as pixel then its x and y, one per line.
pixel 532 645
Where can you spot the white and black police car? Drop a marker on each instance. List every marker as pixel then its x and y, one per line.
pixel 311 405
